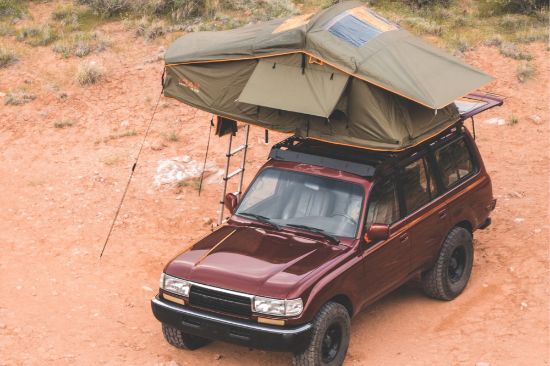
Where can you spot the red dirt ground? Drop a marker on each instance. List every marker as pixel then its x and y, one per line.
pixel 61 305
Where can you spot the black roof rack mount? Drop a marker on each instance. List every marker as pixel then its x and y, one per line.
pixel 288 150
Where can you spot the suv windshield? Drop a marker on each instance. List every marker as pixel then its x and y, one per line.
pixel 309 201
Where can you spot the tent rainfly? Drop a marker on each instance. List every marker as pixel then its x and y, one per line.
pixel 345 75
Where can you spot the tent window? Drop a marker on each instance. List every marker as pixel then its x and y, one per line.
pixel 354 31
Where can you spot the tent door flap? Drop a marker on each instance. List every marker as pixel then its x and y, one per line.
pixel 313 91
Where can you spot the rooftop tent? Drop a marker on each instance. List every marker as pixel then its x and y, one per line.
pixel 345 75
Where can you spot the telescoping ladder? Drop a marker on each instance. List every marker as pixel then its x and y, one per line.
pixel 240 171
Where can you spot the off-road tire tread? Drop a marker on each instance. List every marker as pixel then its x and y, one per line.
pixel 179 339
pixel 308 357
pixel 433 280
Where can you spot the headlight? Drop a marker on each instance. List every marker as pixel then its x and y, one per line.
pixel 175 285
pixel 277 307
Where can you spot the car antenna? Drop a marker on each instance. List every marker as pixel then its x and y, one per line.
pixel 133 169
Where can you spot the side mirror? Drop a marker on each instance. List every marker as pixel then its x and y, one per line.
pixel 377 232
pixel 230 202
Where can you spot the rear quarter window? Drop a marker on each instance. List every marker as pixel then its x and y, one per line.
pixel 455 162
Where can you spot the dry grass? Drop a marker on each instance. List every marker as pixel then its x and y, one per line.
pixel 525 71
pixel 7 57
pixel 172 137
pixel 18 98
pixel 510 50
pixel 63 124
pixel 89 73
pixel 37 35
pixel 512 120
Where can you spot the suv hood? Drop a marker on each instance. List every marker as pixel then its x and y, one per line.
pixel 253 260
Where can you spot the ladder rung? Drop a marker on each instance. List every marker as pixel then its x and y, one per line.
pixel 233 152
pixel 231 175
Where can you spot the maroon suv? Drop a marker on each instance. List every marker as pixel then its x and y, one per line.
pixel 322 232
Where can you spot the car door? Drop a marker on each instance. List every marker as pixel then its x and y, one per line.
pixel 386 263
pixel 427 217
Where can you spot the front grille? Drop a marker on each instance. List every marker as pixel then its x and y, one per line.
pixel 219 301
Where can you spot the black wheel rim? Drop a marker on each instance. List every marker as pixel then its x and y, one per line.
pixel 331 343
pixel 457 264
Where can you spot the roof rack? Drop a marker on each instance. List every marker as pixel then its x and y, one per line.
pixel 306 151
pixel 358 161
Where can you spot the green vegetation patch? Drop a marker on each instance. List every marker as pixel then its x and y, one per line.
pixel 7 57
pixel 37 35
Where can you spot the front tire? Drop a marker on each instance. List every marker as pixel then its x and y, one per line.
pixel 181 340
pixel 450 274
pixel 329 339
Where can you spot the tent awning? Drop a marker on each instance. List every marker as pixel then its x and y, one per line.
pixel 293 88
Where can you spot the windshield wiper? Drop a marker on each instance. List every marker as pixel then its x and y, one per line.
pixel 316 230
pixel 260 218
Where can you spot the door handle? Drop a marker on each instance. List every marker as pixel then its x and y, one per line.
pixel 404 237
pixel 442 214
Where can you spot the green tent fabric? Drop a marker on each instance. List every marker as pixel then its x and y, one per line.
pixel 313 92
pixel 345 75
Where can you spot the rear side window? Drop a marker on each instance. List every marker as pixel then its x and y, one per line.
pixel 383 204
pixel 417 185
pixel 455 162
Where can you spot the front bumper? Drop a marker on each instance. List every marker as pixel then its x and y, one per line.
pixel 214 327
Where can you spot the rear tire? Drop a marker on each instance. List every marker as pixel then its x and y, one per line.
pixel 450 274
pixel 181 340
pixel 329 339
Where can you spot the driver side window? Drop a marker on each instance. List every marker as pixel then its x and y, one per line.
pixel 383 204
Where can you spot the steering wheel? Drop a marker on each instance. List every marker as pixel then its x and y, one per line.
pixel 349 218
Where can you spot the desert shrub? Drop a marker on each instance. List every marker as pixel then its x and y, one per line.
pixel 63 123
pixel 11 8
pixel 512 120
pixel 498 7
pixel 18 98
pixel 494 41
pixel 37 36
pixel 81 44
pixel 89 73
pixel 525 71
pixel 510 50
pixel 108 8
pixel 150 30
pixel 424 25
pixel 7 57
pixel 6 30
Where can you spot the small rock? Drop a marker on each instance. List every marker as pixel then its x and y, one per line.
pixel 124 123
pixel 171 363
pixel 516 194
pixel 186 158
pixel 523 305
pixel 2 326
pixel 495 121
pixel 218 357
pixel 179 197
pixel 485 285
pixel 519 220
pixel 207 221
pixel 2 95
pixel 483 363
pixel 536 119
pixel 157 145
pixel 147 288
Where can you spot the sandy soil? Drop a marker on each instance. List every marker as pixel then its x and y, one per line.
pixel 61 305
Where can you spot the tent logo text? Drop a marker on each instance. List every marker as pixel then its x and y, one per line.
pixel 189 85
